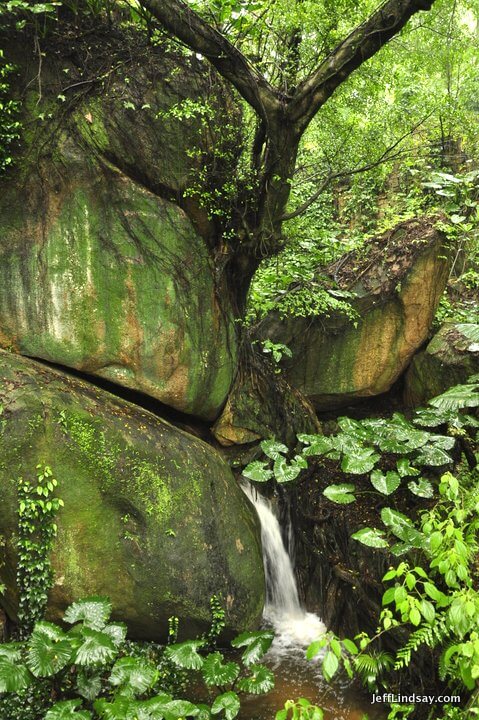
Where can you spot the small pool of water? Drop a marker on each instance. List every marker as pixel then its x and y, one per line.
pixel 296 677
pixel 295 629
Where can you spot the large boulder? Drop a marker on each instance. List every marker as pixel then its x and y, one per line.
pixel 105 257
pixel 152 517
pixel 396 280
pixel 450 359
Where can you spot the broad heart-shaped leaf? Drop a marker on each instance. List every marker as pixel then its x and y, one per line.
pixel 402 527
pixel 433 456
pixel 405 469
pixel 401 548
pixel 256 644
pixel 204 712
pixel 117 632
pixel 96 648
pixel 445 442
pixel 361 461
pixel 49 650
pixel 89 683
pixel 258 472
pixel 457 398
pixel 123 709
pixel 421 487
pixel 14 675
pixel 432 417
pixel 355 428
pixel 273 449
pixel 11 651
pixel 316 445
pixel 152 709
pixel 216 672
pixel 229 703
pixel 370 537
pixel 259 682
pixel 94 612
pixel 385 484
pixel 341 494
pixel 67 710
pixel 185 654
pixel 178 709
pixel 285 472
pixel 133 676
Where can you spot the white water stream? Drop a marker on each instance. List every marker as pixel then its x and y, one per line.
pixel 294 627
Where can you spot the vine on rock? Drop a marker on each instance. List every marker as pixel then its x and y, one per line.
pixel 37 530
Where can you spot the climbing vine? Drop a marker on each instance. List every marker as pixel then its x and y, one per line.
pixel 37 530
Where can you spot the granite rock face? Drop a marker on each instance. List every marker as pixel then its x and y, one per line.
pixel 105 259
pixel 152 517
pixel 397 281
pixel 450 359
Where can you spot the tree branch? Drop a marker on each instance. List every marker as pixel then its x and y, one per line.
pixel 386 156
pixel 180 20
pixel 361 44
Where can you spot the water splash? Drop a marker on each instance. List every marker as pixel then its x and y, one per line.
pixel 294 627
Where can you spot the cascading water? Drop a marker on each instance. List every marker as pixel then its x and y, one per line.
pixel 295 628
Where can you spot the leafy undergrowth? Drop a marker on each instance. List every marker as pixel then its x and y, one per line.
pixel 91 671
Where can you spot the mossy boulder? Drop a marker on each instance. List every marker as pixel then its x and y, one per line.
pixel 152 517
pixel 262 405
pixel 450 359
pixel 396 282
pixel 105 257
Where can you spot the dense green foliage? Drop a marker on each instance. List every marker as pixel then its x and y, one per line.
pixel 91 671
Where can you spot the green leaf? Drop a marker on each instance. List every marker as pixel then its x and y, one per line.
pixel 350 646
pixel 96 648
pixel 117 632
pixel 133 676
pixel 355 428
pixel 415 616
pixel 258 471
pixel 341 494
pixel 405 469
pixel 67 710
pixel 457 398
pixel 89 684
pixel 421 488
pixel 359 462
pixel 273 449
pixel 330 665
pixel 285 472
pixel 433 456
pixel 259 682
pixel 385 484
pixel 94 612
pixel 370 537
pixel 427 611
pixel 256 644
pixel 185 654
pixel 14 676
pixel 229 703
pixel 49 650
pixel 216 672
pixel 315 648
pixel 178 709
pixel 401 526
pixel 317 445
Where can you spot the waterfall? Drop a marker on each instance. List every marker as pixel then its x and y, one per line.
pixel 293 625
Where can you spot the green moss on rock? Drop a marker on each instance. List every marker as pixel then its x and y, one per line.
pixel 127 479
